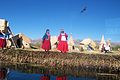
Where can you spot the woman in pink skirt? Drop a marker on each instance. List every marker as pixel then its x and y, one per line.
pixel 62 45
pixel 46 45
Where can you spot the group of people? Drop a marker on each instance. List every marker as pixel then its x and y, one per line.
pixel 62 44
pixel 105 48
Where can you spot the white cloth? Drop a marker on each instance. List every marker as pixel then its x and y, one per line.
pixel 107 48
pixel 63 38
pixel 2 38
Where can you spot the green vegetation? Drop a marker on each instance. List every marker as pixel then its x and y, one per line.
pixel 115 48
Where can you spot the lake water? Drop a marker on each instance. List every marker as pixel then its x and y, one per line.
pixel 15 75
pixel 28 72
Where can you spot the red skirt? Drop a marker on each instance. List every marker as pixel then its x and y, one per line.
pixel 61 78
pixel 2 75
pixel 45 78
pixel 2 43
pixel 63 46
pixel 46 45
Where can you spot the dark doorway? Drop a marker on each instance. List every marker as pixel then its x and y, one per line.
pixel 19 43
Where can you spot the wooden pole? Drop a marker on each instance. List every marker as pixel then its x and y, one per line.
pixel 12 37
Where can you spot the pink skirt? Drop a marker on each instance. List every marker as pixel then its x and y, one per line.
pixel 63 46
pixel 46 45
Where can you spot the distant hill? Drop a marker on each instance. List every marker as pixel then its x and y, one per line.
pixel 36 41
pixel 77 42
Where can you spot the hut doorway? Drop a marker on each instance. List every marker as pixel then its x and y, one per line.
pixel 19 43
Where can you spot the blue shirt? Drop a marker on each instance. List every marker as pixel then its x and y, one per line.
pixel 1 35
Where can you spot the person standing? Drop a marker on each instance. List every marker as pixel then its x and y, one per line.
pixel 62 42
pixel 103 48
pixel 46 45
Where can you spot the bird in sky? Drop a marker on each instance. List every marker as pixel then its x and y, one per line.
pixel 83 10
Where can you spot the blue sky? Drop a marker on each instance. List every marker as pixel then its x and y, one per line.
pixel 33 17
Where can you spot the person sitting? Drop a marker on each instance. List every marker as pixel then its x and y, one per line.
pixel 90 47
pixel 105 48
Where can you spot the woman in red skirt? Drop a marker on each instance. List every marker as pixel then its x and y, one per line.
pixel 62 45
pixel 46 45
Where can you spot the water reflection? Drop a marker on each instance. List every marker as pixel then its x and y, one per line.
pixel 3 73
pixel 61 78
pixel 14 75
pixel 28 72
pixel 45 77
